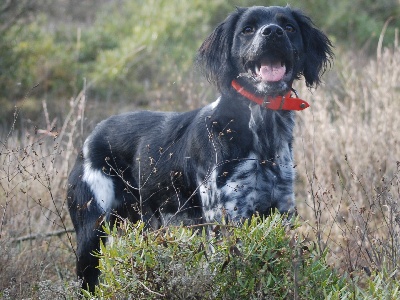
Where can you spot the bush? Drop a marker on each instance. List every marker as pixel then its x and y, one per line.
pixel 262 259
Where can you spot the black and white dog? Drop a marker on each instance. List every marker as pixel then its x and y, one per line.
pixel 229 159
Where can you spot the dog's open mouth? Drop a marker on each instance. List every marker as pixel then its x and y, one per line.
pixel 269 70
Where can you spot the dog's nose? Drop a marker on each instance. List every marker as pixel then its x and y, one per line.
pixel 271 31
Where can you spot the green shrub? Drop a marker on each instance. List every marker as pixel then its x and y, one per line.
pixel 383 286
pixel 262 259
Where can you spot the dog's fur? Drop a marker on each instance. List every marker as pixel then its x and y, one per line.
pixel 231 158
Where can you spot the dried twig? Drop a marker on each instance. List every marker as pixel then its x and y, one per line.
pixel 42 235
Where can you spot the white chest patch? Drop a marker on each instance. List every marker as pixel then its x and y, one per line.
pixel 256 120
pixel 214 104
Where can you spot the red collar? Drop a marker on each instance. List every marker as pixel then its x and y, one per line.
pixel 278 103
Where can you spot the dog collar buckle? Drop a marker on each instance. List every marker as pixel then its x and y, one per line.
pixel 266 101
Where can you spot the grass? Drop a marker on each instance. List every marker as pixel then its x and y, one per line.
pixel 36 244
pixel 347 149
pixel 349 146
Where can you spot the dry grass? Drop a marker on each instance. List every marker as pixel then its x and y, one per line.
pixel 347 151
pixel 36 245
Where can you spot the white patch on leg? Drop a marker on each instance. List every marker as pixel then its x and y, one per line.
pixel 286 201
pixel 101 186
pixel 209 215
pixel 209 195
pixel 110 240
pixel 231 208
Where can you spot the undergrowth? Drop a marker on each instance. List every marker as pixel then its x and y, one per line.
pixel 260 259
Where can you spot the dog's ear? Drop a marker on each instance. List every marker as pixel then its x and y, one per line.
pixel 214 54
pixel 317 47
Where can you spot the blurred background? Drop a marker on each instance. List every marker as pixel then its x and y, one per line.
pixel 139 54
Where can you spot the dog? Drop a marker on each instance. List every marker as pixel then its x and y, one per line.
pixel 230 159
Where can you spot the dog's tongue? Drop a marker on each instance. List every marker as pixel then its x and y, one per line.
pixel 272 71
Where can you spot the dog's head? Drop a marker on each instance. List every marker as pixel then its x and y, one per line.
pixel 267 48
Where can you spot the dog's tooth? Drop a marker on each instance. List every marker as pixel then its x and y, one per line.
pixel 257 69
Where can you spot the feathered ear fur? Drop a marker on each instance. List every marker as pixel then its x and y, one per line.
pixel 317 48
pixel 214 54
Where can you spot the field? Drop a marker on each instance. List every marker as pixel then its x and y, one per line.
pixel 347 150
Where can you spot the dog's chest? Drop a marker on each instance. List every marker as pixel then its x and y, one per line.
pixel 258 178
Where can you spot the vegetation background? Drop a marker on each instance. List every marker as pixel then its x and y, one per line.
pixel 65 65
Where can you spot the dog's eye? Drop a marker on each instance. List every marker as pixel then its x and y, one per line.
pixel 248 30
pixel 290 28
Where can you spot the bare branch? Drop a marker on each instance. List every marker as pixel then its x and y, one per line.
pixel 42 235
